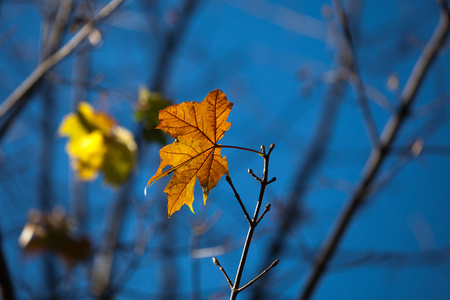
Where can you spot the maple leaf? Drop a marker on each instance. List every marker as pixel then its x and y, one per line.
pixel 195 153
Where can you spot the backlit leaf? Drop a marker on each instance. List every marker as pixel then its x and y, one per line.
pixel 96 143
pixel 195 153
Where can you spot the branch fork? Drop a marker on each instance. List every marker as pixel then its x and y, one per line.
pixel 253 223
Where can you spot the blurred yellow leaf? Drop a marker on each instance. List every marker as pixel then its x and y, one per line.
pixel 120 156
pixel 96 144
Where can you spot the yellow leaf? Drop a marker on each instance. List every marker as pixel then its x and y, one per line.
pixel 119 158
pixel 195 153
pixel 88 151
pixel 96 144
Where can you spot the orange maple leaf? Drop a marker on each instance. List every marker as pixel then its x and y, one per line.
pixel 195 153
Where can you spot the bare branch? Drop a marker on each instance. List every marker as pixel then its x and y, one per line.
pixel 378 155
pixel 355 77
pixel 253 224
pixel 216 262
pixel 250 171
pixel 16 96
pixel 239 199
pixel 50 45
pixel 266 210
pixel 274 264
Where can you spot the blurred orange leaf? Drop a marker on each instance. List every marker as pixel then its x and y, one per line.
pixel 195 153
pixel 54 232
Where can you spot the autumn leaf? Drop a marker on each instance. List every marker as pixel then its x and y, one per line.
pixel 195 154
pixel 54 232
pixel 148 105
pixel 96 143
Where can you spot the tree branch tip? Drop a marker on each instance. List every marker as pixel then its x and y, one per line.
pixel 266 210
pixel 259 276
pixel 215 261
pixel 272 180
pixel 250 171
pixel 263 149
pixel 272 146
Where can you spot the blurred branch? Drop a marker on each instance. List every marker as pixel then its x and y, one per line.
pixel 51 38
pixel 285 18
pixel 172 42
pixel 80 73
pixel 392 259
pixel 355 78
pixel 311 162
pixel 199 228
pixel 51 44
pixel 6 287
pixel 103 259
pixel 7 108
pixel 379 154
pixel 101 283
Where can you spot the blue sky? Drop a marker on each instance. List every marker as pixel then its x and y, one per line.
pixel 279 63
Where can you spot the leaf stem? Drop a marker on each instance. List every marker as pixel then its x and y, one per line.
pixel 241 148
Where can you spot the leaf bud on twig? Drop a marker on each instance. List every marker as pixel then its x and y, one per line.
pixel 215 261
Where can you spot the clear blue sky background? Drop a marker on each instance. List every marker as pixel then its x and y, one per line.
pixel 276 61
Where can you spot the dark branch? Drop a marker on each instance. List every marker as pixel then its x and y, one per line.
pixel 378 154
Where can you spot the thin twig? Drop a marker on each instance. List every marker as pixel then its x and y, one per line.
pixel 235 289
pixel 379 154
pixel 355 78
pixel 247 216
pixel 250 171
pixel 261 274
pixel 266 210
pixel 272 180
pixel 216 262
